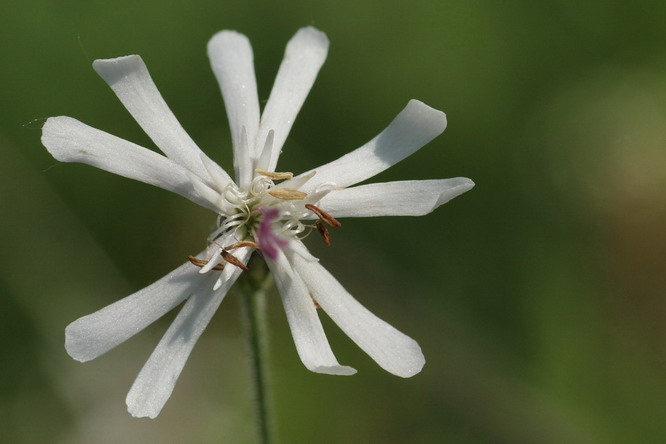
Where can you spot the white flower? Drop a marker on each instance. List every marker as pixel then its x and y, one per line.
pixel 253 212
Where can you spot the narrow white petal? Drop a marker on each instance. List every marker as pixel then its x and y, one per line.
pixel 306 328
pixel 220 178
pixel 416 125
pixel 130 80
pixel 232 61
pixel 212 261
pixel 404 198
pixel 304 56
pixel 211 196
pixel 69 140
pixel 297 182
pixel 154 384
pixel 316 196
pixel 391 349
pixel 267 151
pixel 93 335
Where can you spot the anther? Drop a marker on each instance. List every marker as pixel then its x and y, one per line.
pixel 233 260
pixel 274 174
pixel 201 263
pixel 324 233
pixel 287 194
pixel 324 216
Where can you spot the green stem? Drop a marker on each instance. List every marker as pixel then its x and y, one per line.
pixel 253 288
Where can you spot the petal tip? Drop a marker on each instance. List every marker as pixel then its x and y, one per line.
pixel 339 370
pixel 313 32
pixel 434 117
pixel 226 37
pixel 47 130
pixel 312 36
pixel 455 187
pixel 138 412
pixel 121 59
pixel 468 184
pixel 462 184
pixel 141 406
pixel 73 345
pixel 57 133
pixel 113 70
pixel 413 366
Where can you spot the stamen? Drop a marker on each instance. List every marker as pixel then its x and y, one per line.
pixel 324 216
pixel 287 194
pixel 233 260
pixel 201 263
pixel 242 244
pixel 324 233
pixel 274 174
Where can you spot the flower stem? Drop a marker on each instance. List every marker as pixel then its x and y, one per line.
pixel 253 288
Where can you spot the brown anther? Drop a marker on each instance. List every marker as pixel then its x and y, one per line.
pixel 324 216
pixel 274 174
pixel 241 245
pixel 201 263
pixel 233 260
pixel 287 194
pixel 324 233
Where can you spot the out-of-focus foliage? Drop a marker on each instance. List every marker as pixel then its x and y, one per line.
pixel 538 297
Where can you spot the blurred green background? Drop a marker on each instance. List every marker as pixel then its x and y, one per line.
pixel 538 297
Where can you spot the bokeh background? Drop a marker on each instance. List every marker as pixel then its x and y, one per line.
pixel 538 297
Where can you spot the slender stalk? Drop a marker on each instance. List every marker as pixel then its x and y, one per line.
pixel 253 288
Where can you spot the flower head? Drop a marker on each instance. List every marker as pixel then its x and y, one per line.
pixel 262 209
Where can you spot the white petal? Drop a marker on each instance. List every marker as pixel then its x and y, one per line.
pixel 69 140
pixel 415 126
pixel 213 260
pixel 304 56
pixel 130 80
pixel 392 350
pixel 93 335
pixel 212 197
pixel 220 178
pixel 404 198
pixel 232 61
pixel 154 384
pixel 267 151
pixel 306 328
pixel 297 182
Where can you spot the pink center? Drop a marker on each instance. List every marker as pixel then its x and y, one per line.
pixel 269 242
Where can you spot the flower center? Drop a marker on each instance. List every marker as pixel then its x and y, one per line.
pixel 266 216
pixel 242 210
